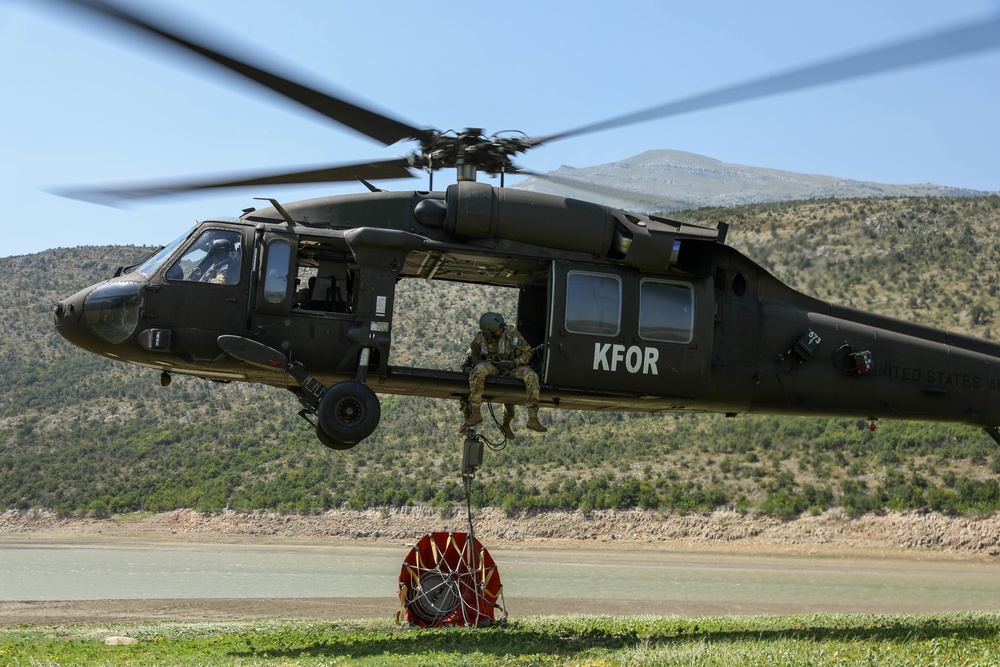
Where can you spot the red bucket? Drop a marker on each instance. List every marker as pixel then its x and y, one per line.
pixel 448 579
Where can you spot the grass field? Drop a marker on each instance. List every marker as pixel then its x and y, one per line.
pixel 941 639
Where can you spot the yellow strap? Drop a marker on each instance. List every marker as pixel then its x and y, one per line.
pixel 449 544
pixel 464 553
pixel 486 579
pixel 401 612
pixel 415 573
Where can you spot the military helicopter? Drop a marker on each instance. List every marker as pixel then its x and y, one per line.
pixel 626 312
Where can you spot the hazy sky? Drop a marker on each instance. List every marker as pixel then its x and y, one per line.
pixel 85 104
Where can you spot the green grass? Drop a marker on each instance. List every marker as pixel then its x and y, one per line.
pixel 942 639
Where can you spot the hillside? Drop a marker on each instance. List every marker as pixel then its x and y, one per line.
pixel 669 180
pixel 82 434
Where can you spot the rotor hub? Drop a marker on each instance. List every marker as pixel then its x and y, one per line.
pixel 470 151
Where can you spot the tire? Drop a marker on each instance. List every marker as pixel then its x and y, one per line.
pixel 348 413
pixel 330 443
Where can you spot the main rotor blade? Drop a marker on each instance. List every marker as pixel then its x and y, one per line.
pixel 396 168
pixel 951 43
pixel 367 122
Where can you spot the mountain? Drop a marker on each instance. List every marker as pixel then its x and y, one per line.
pixel 668 180
pixel 83 434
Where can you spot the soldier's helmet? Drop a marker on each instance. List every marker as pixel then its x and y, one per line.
pixel 220 248
pixel 491 324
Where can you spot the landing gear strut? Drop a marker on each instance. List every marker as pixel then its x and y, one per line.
pixel 346 413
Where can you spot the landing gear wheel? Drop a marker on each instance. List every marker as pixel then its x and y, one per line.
pixel 348 413
pixel 329 442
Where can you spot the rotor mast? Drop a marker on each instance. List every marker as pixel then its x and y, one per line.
pixel 469 151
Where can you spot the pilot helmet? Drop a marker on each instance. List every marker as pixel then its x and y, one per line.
pixel 220 248
pixel 491 324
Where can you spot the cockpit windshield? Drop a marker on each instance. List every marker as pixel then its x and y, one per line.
pixel 150 265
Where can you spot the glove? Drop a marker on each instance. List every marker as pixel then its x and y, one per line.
pixel 466 368
pixel 504 364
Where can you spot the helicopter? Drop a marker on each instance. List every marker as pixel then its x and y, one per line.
pixel 625 311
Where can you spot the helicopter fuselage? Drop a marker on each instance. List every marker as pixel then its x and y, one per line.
pixel 626 312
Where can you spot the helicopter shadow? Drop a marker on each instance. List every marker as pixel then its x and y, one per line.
pixel 571 636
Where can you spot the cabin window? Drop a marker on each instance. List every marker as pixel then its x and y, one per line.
pixel 279 257
pixel 666 311
pixel 324 289
pixel 593 303
pixel 216 257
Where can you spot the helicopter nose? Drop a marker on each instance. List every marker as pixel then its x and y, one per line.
pixel 100 316
pixel 69 319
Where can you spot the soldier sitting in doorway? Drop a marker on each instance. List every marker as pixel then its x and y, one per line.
pixel 499 350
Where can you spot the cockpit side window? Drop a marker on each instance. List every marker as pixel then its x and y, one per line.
pixel 216 257
pixel 279 256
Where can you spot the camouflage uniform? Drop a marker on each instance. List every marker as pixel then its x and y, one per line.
pixel 508 346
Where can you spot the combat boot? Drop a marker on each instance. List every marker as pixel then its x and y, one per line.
pixel 535 425
pixel 508 431
pixel 475 417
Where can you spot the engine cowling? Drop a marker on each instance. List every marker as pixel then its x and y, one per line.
pixel 479 211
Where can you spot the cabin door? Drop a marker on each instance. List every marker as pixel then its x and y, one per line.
pixel 618 331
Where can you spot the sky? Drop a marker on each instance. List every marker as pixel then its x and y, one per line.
pixel 87 105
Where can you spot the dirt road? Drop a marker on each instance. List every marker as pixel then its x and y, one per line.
pixel 896 540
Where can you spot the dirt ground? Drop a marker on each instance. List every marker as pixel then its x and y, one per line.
pixel 73 612
pixel 973 536
pixel 922 535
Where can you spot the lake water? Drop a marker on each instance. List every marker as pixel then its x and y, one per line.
pixel 32 569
